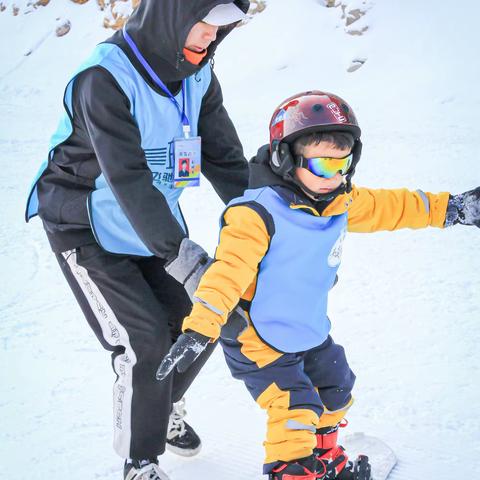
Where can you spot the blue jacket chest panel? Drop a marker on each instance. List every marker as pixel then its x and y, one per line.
pixel 289 309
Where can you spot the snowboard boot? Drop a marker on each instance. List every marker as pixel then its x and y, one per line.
pixel 181 437
pixel 302 469
pixel 147 469
pixel 336 463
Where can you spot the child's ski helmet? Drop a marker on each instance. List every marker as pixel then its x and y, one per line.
pixel 304 113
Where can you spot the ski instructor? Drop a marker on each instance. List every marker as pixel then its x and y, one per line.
pixel 144 103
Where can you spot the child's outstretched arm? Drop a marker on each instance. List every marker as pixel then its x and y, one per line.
pixel 373 210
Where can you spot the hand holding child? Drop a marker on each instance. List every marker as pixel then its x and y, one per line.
pixel 189 265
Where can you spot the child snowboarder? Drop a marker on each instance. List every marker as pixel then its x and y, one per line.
pixel 279 251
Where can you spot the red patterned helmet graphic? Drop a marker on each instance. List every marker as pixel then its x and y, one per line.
pixel 312 111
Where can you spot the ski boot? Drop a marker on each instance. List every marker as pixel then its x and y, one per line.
pixel 147 469
pixel 335 460
pixel 302 469
pixel 181 437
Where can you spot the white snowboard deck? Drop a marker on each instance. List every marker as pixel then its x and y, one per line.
pixel 381 457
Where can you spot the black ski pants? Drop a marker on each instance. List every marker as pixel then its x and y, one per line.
pixel 136 310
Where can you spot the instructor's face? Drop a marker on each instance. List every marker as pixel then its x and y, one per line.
pixel 201 36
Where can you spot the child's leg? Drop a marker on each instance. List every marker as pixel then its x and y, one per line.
pixel 328 369
pixel 279 385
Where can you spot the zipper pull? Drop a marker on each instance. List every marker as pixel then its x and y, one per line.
pixel 180 59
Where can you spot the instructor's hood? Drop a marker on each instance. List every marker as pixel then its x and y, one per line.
pixel 160 28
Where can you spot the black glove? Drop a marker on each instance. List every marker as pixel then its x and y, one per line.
pixel 464 209
pixel 191 344
pixel 183 353
pixel 189 265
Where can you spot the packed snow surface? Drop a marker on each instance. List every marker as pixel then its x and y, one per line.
pixel 407 304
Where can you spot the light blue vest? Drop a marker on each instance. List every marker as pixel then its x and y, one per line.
pixel 289 309
pixel 159 123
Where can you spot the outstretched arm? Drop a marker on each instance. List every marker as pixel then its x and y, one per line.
pixel 376 210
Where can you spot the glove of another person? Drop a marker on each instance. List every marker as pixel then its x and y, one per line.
pixel 189 265
pixel 464 209
pixel 188 268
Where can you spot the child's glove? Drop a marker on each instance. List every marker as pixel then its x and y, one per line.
pixel 189 265
pixel 183 353
pixel 191 344
pixel 464 209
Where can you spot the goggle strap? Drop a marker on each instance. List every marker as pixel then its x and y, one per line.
pixel 301 161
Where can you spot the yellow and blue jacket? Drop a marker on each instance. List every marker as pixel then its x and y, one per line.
pixel 278 254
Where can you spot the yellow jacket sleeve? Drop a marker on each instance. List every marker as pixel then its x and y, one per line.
pixel 375 210
pixel 244 240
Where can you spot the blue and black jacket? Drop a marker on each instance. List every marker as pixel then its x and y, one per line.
pixel 106 144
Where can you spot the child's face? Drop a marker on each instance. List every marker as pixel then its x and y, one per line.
pixel 320 184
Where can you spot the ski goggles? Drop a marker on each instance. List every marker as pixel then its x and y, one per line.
pixel 327 167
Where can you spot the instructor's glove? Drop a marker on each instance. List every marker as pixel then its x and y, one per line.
pixel 183 353
pixel 189 265
pixel 464 209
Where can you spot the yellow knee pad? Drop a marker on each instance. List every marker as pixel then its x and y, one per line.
pixel 290 433
pixel 330 419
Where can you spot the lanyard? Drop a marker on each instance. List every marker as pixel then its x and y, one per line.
pixel 156 79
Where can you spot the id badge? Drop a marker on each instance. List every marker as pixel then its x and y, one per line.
pixel 188 159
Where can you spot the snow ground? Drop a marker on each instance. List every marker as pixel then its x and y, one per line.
pixel 406 308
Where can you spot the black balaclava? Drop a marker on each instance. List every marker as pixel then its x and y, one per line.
pixel 160 28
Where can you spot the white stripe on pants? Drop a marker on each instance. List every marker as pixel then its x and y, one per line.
pixel 116 335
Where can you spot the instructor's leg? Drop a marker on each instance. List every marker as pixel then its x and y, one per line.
pixel 128 319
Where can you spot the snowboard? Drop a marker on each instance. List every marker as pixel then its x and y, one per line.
pixel 380 456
